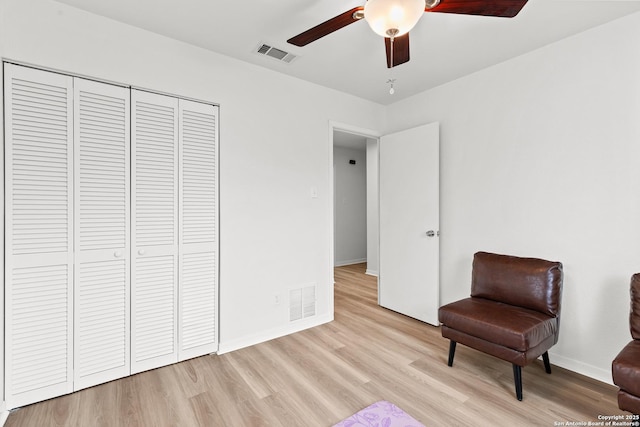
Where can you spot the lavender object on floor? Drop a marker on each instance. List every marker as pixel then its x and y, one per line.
pixel 380 414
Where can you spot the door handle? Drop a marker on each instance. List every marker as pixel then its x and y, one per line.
pixel 141 252
pixel 431 233
pixel 117 254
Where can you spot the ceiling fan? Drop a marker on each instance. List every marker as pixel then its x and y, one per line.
pixel 393 19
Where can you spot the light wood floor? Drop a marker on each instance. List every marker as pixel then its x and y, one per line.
pixel 319 376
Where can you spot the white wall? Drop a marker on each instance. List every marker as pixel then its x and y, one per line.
pixel 274 146
pixel 539 157
pixel 350 227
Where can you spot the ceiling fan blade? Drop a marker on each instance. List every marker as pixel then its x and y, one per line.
pixel 501 8
pixel 400 50
pixel 327 27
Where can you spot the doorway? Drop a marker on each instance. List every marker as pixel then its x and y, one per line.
pixel 407 217
pixel 355 199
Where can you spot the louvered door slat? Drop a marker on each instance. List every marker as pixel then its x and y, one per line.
pixel 31 165
pixel 155 233
pixel 102 308
pixel 39 238
pixel 155 320
pixel 102 279
pixel 198 229
pixel 198 297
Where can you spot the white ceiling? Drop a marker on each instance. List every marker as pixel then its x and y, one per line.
pixel 444 47
pixel 349 140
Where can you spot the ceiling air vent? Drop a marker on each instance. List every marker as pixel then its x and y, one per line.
pixel 275 53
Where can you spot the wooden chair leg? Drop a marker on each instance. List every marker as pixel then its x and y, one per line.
pixel 547 365
pixel 517 378
pixel 452 352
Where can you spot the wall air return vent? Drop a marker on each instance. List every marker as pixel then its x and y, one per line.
pixel 302 302
pixel 275 53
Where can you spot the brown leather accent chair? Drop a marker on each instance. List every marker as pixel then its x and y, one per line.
pixel 626 366
pixel 513 312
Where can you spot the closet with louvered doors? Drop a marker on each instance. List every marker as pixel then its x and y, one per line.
pixel 111 232
pixel 67 222
pixel 174 272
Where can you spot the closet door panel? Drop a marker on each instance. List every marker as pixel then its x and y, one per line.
pixel 155 230
pixel 198 229
pixel 39 235
pixel 198 297
pixel 155 311
pixel 102 242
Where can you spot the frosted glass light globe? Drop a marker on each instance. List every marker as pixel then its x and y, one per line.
pixel 393 18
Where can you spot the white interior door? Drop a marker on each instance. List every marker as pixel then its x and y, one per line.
pixel 154 241
pixel 409 222
pixel 39 235
pixel 101 304
pixel 198 267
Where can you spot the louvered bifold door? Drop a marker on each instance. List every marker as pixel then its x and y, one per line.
pixel 198 229
pixel 39 235
pixel 154 278
pixel 102 206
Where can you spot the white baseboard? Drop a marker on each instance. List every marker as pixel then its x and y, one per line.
pixel 371 273
pixel 290 328
pixel 349 262
pixel 603 375
pixel 3 417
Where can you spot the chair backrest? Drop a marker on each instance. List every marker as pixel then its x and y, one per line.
pixel 634 316
pixel 531 283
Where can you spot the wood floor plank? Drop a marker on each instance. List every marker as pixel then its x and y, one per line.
pixel 322 375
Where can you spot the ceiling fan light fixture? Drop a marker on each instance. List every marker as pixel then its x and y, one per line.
pixel 393 18
pixel 430 4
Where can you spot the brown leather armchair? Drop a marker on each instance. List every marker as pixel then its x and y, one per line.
pixel 626 366
pixel 513 312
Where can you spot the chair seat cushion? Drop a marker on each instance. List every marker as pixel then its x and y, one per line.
pixel 626 368
pixel 514 327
